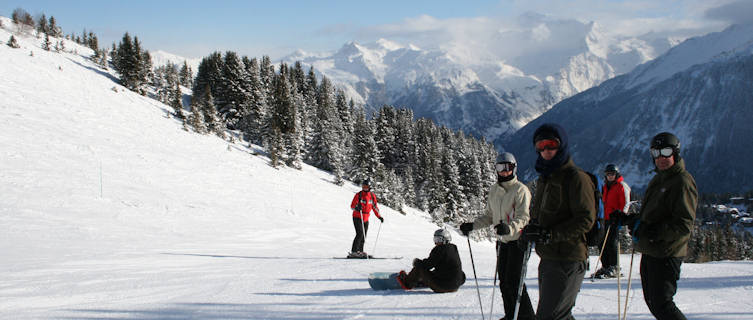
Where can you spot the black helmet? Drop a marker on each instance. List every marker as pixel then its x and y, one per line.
pixel 366 182
pixel 612 168
pixel 666 140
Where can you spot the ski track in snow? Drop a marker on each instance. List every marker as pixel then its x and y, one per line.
pixel 184 227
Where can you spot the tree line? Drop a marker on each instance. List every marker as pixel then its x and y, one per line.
pixel 299 118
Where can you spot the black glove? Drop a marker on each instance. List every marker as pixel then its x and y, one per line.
pixel 466 228
pixel 502 229
pixel 381 219
pixel 536 233
pixel 618 217
pixel 358 207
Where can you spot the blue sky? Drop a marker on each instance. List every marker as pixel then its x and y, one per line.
pixel 278 27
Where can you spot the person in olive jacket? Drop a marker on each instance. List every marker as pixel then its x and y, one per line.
pixel 442 271
pixel 562 213
pixel 664 225
pixel 507 208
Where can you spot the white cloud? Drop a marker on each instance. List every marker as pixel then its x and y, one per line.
pixel 522 26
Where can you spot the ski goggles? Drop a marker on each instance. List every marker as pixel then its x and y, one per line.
pixel 547 144
pixel 505 166
pixel 663 152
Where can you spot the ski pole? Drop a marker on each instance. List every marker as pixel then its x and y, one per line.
pixel 603 245
pixel 523 271
pixel 494 285
pixel 377 239
pixel 618 280
pixel 478 291
pixel 630 277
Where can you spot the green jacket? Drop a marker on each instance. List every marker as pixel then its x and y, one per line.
pixel 667 213
pixel 564 204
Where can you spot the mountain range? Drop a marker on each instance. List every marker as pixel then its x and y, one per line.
pixel 486 94
pixel 700 90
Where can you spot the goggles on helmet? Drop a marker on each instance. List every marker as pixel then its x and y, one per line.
pixel 505 166
pixel 663 152
pixel 438 239
pixel 547 144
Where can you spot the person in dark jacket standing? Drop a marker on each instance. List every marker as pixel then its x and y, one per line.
pixel 616 198
pixel 442 271
pixel 363 203
pixel 507 208
pixel 664 226
pixel 562 213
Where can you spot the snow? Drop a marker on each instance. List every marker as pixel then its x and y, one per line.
pixel 109 210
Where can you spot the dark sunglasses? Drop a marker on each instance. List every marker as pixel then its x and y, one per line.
pixel 547 144
pixel 506 166
pixel 663 152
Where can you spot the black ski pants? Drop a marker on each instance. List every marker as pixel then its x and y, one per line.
pixel 509 267
pixel 609 256
pixel 559 284
pixel 659 279
pixel 360 239
pixel 421 277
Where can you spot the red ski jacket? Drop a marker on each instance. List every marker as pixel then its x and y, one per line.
pixel 368 202
pixel 615 197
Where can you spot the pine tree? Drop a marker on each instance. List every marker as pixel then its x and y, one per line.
pixel 55 30
pixel 13 43
pixel 93 42
pixel 144 67
pixel 186 77
pixel 128 63
pixel 326 153
pixel 454 198
pixel 255 124
pixel 196 118
pixel 236 94
pixel 46 44
pixel 176 101
pixel 366 156
pixel 42 26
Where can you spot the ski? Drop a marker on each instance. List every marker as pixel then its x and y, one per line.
pixel 369 258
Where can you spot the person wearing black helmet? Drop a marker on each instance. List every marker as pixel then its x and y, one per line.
pixel 615 195
pixel 363 203
pixel 507 208
pixel 442 271
pixel 663 226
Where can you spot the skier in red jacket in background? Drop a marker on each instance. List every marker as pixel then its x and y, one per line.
pixel 616 197
pixel 363 203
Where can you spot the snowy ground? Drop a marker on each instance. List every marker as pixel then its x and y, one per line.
pixel 109 210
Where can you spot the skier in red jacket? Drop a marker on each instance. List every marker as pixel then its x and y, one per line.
pixel 616 197
pixel 363 203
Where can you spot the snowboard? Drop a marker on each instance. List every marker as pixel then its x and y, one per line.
pixel 384 281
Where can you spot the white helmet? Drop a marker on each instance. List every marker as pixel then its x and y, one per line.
pixel 507 157
pixel 442 236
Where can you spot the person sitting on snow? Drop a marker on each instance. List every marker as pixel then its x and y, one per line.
pixel 442 271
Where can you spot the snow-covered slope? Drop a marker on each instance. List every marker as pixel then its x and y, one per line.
pixel 488 94
pixel 109 210
pixel 700 90
pixel 161 58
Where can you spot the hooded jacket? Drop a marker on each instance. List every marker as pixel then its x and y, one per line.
pixel 668 213
pixel 563 202
pixel 508 202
